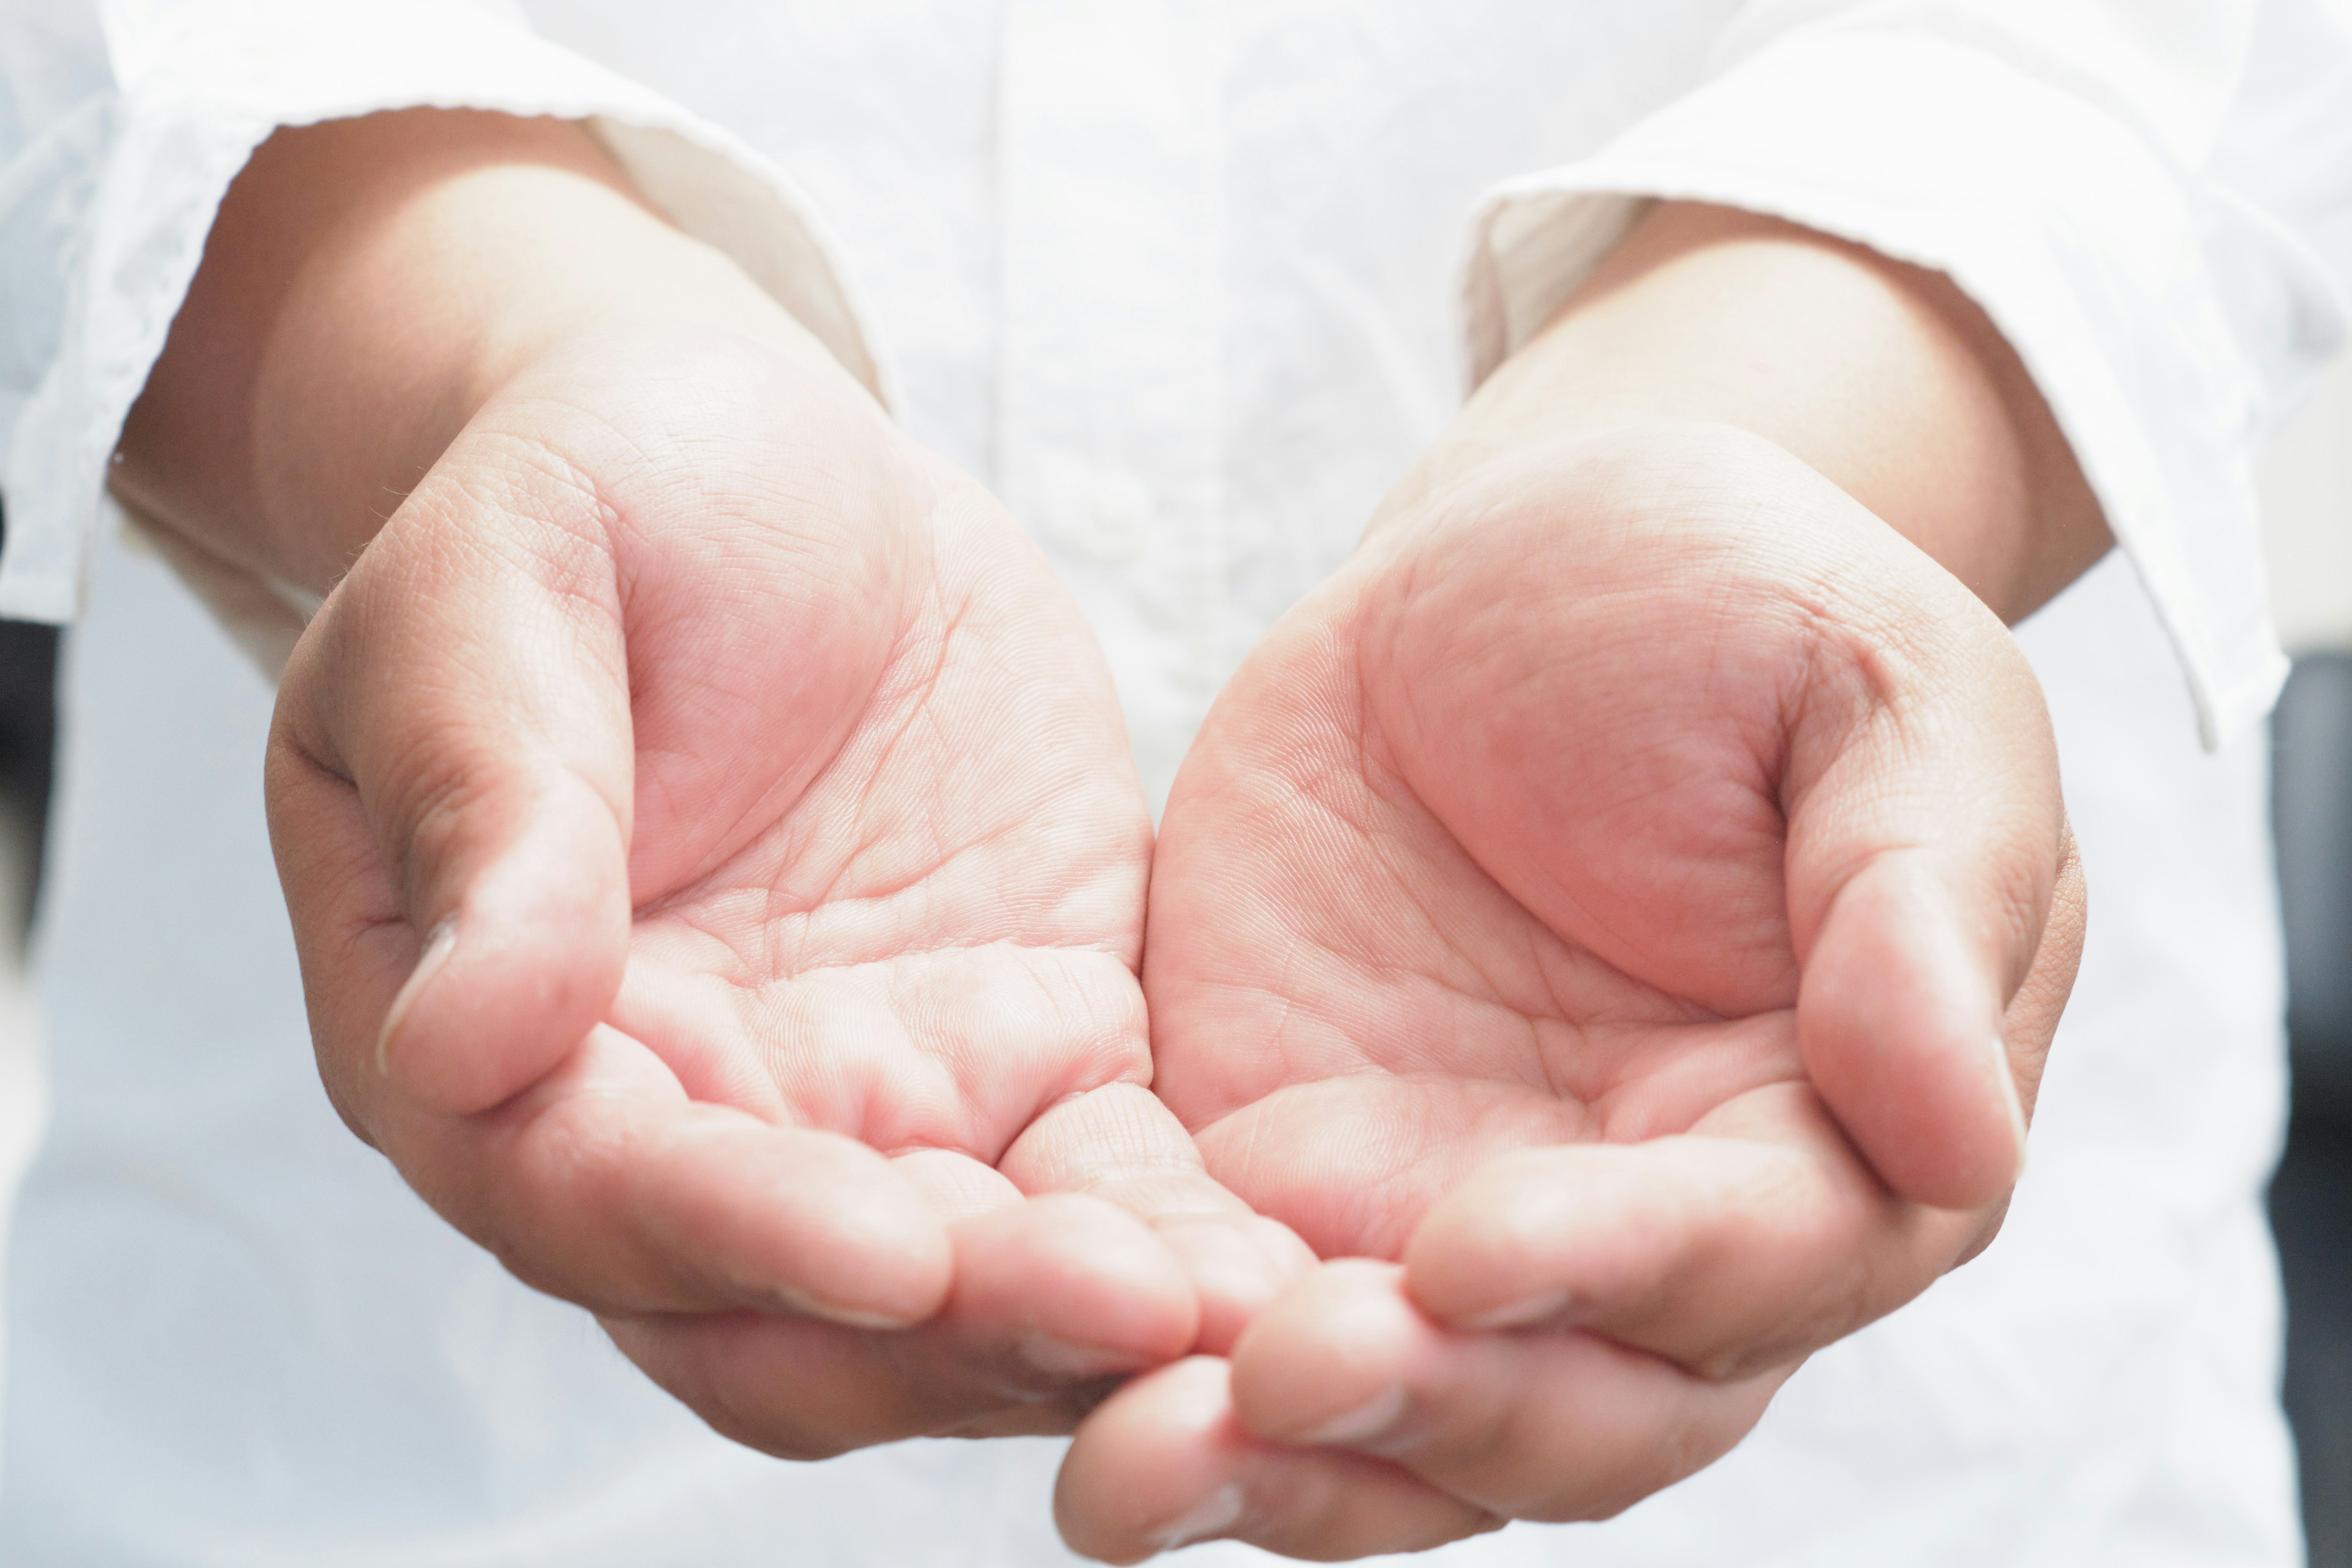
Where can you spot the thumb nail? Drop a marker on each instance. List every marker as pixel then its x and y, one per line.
pixel 1213 1515
pixel 2005 1079
pixel 439 944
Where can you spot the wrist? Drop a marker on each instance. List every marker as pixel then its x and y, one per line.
pixel 1881 377
pixel 369 285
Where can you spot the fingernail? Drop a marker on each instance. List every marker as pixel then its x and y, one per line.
pixel 1541 1307
pixel 1213 1515
pixel 1059 1357
pixel 800 1303
pixel 1361 1424
pixel 2007 1076
pixel 438 945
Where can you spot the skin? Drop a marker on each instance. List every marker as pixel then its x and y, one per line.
pixel 712 846
pixel 719 878
pixel 1619 918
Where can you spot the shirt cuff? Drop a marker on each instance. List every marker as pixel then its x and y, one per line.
pixel 2072 234
pixel 196 96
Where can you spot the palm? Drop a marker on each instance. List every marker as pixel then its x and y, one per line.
pixel 875 903
pixel 1643 798
pixel 1435 887
pixel 1354 1007
pixel 904 902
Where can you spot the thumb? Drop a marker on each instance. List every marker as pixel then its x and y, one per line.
pixel 449 784
pixel 1933 893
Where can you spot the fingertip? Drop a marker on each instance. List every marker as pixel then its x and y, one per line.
pixel 1326 1359
pixel 439 943
pixel 1150 1470
pixel 1489 1255
pixel 2012 1103
pixel 526 961
pixel 1238 1264
pixel 1082 1286
pixel 1164 1464
pixel 835 1230
pixel 1899 1021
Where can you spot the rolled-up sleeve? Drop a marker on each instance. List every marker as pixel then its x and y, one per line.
pixel 2079 171
pixel 124 123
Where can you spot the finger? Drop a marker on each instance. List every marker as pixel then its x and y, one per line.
pixel 605 1185
pixel 1840 710
pixel 1052 1297
pixel 1076 1287
pixel 466 689
pixel 1900 1025
pixel 1728 1252
pixel 1164 1463
pixel 1926 841
pixel 2033 1013
pixel 1526 1426
pixel 2033 1019
pixel 1120 1143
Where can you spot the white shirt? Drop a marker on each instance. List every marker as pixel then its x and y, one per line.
pixel 1189 285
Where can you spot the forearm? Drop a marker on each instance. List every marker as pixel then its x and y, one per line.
pixel 1883 377
pixel 367 284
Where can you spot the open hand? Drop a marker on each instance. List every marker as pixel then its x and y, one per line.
pixel 719 876
pixel 1618 919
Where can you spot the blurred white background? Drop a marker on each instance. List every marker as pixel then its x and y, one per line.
pixel 2306 481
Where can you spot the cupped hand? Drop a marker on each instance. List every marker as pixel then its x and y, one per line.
pixel 718 875
pixel 1618 920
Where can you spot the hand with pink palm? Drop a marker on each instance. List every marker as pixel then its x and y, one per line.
pixel 719 876
pixel 1620 912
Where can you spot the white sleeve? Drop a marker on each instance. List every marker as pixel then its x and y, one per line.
pixel 2145 200
pixel 123 123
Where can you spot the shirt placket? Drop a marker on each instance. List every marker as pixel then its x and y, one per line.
pixel 1107 439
